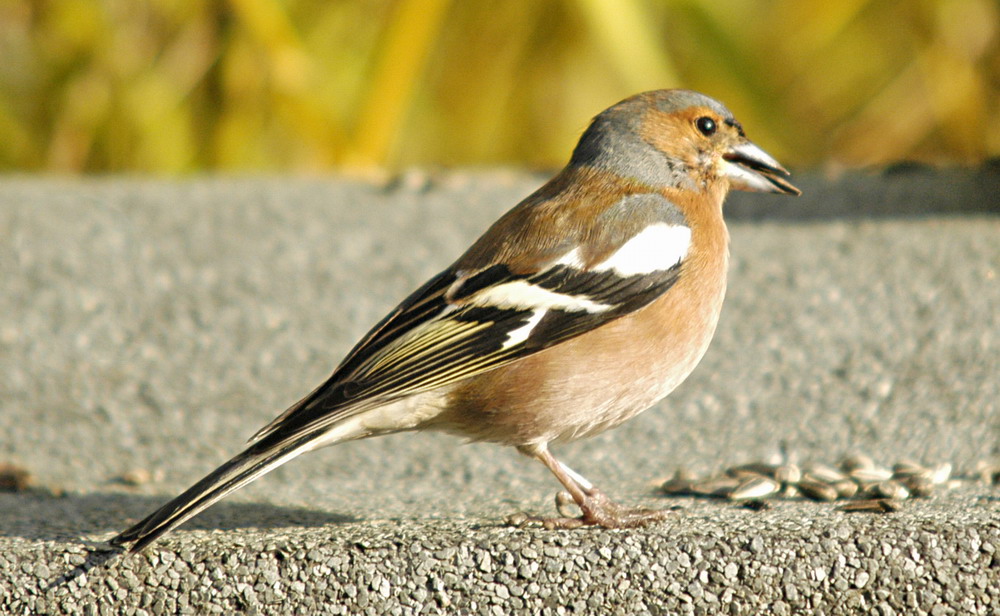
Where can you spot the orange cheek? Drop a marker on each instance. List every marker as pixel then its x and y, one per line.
pixel 669 133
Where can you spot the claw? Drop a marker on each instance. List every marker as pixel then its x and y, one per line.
pixel 565 504
pixel 598 510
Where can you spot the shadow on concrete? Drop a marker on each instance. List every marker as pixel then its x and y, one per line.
pixel 39 515
pixel 78 518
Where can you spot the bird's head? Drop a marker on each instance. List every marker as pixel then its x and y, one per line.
pixel 679 138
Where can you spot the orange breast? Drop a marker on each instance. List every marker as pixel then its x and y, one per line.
pixel 604 377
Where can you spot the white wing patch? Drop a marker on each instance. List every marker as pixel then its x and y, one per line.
pixel 656 248
pixel 523 295
pixel 571 258
pixel 519 335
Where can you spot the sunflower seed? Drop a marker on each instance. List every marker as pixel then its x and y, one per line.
pixel 14 478
pixel 870 475
pixel 517 519
pixel 755 487
pixel 909 468
pixel 856 461
pixel 879 488
pixel 136 477
pixel 919 487
pixel 845 488
pixel 872 505
pixel 722 487
pixel 824 473
pixel 891 489
pixel 756 504
pixel 788 474
pixel 681 483
pixel 988 472
pixel 816 490
pixel 940 473
pixel 754 469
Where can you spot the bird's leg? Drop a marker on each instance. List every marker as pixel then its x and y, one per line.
pixel 598 509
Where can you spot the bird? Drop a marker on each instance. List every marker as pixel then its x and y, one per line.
pixel 582 306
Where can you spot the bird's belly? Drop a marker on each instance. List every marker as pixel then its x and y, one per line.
pixel 581 390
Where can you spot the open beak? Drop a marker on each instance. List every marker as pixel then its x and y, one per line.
pixel 750 168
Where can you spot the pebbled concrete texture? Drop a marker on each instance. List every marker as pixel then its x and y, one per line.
pixel 149 327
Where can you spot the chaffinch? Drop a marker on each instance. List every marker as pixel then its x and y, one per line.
pixel 581 307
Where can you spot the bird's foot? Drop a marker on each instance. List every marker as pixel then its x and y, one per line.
pixel 598 510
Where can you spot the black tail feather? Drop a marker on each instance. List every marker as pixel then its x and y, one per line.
pixel 237 472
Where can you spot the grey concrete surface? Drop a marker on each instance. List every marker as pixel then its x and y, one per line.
pixel 155 325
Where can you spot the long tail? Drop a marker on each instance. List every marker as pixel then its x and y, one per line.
pixel 256 460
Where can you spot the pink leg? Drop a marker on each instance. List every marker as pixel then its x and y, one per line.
pixel 598 509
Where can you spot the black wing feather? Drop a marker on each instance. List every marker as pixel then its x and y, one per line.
pixel 440 335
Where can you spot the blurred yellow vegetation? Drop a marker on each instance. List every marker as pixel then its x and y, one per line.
pixel 182 86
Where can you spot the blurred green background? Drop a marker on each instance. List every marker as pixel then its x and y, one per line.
pixel 308 86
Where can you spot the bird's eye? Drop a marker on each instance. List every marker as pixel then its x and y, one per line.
pixel 706 126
